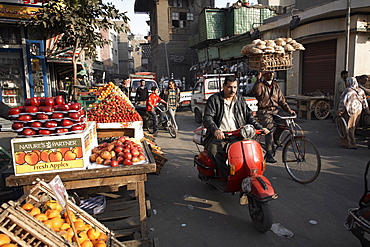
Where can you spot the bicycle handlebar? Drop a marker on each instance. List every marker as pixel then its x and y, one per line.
pixel 284 117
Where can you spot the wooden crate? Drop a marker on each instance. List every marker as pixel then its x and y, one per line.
pixel 270 61
pixel 41 193
pixel 25 230
pixel 160 160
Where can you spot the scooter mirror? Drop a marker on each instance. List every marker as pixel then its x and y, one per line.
pixel 248 131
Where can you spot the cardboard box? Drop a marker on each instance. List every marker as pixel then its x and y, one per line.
pixel 53 153
pixel 131 129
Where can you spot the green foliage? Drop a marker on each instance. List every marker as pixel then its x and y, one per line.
pixel 79 21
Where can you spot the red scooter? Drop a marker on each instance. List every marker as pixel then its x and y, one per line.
pixel 246 165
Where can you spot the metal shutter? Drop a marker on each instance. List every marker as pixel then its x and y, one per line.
pixel 318 67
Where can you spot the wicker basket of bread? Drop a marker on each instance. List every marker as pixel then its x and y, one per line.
pixel 271 54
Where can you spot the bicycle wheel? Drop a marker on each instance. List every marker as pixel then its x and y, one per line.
pixel 301 159
pixel 172 130
pixel 149 124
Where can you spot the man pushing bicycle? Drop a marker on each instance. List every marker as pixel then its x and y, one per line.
pixel 269 97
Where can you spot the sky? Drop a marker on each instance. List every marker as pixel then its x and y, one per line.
pixel 138 21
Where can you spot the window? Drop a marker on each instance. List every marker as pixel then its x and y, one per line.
pixel 180 19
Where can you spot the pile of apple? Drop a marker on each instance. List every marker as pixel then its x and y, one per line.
pixel 47 116
pixel 113 109
pixel 122 151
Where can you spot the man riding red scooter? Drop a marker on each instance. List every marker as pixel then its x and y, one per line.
pixel 232 162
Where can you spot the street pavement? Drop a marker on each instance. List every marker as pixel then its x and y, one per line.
pixel 186 212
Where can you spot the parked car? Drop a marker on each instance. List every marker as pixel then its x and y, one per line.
pixel 207 85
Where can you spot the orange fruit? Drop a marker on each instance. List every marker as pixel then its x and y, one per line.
pixel 9 245
pixel 52 213
pixel 70 232
pixel 82 237
pixel 103 237
pixel 4 239
pixel 93 233
pixel 100 244
pixel 79 225
pixel 65 234
pixel 72 215
pixel 48 223
pixel 41 217
pixel 87 243
pixel 56 223
pixel 27 206
pixel 53 204
pixel 34 211
pixel 65 226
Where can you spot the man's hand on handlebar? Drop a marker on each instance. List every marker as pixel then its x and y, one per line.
pixel 219 135
pixel 292 113
pixel 265 131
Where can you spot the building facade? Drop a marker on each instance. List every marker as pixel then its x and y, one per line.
pixel 172 22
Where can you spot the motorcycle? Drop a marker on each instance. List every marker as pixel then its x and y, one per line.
pixel 358 220
pixel 246 165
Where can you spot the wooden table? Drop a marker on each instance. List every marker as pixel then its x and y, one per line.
pixel 131 176
pixel 319 105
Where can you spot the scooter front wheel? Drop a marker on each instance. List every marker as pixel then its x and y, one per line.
pixel 260 214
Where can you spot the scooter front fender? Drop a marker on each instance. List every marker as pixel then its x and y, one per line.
pixel 259 187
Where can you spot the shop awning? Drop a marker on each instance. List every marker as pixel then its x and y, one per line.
pixel 55 54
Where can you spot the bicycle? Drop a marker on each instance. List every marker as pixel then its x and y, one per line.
pixel 299 155
pixel 169 121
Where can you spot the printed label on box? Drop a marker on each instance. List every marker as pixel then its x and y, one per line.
pixel 48 155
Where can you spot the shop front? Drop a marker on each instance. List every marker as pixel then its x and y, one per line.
pixel 23 71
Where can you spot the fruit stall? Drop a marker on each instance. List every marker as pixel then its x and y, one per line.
pixel 98 148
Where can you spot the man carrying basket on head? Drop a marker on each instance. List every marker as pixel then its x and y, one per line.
pixel 269 97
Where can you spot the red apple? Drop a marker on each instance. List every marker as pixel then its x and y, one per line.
pixel 59 100
pixel 51 124
pixel 63 107
pixel 36 124
pixel 120 154
pixel 135 159
pixel 57 115
pixel 134 152
pixel 14 111
pixel 120 160
pixel 142 156
pixel 127 162
pixel 74 115
pixel 114 163
pixel 118 149
pixel 42 116
pixel 78 127
pixel 44 132
pixel 107 162
pixel 127 155
pixel 46 108
pixel 62 130
pixel 48 101
pixel 17 126
pixel 121 139
pixel 25 118
pixel 28 132
pixel 66 122
pixel 118 143
pixel 31 109
pixel 75 106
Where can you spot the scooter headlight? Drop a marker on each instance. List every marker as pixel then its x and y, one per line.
pixel 248 131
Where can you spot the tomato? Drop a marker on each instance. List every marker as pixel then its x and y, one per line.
pixel 48 101
pixel 63 107
pixel 63 130
pixel 34 101
pixel 46 108
pixel 42 116
pixel 114 163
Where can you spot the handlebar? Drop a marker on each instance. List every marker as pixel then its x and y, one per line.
pixel 238 132
pixel 277 116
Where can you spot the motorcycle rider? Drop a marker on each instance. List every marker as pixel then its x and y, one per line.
pixel 225 111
